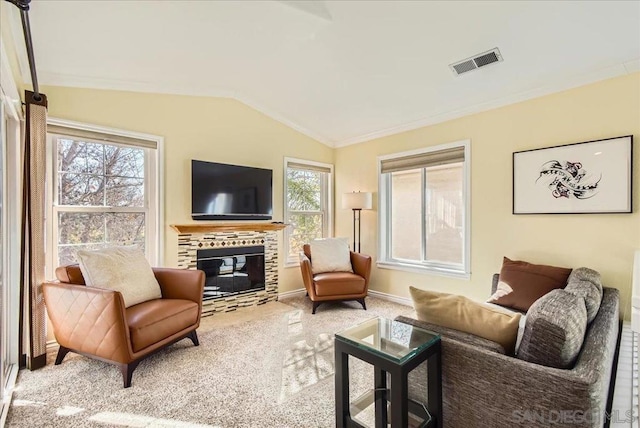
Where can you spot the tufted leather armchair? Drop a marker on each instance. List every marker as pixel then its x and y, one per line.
pixel 336 286
pixel 94 321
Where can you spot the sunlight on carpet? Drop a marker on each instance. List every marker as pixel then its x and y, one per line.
pixel 68 411
pixel 270 366
pixel 304 365
pixel 131 420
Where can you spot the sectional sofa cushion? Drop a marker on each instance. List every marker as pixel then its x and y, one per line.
pixel 554 330
pixel 330 255
pixel 522 283
pixel 584 282
pixel 463 314
pixel 123 269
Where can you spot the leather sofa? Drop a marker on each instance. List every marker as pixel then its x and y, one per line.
pixel 94 322
pixel 336 286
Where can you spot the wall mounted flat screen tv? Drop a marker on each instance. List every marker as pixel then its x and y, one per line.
pixel 230 192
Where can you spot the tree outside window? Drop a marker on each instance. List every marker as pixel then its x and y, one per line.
pixel 306 204
pixel 100 196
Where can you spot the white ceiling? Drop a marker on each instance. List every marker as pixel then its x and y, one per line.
pixel 338 71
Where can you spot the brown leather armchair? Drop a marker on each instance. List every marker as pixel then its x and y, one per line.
pixel 336 286
pixel 94 321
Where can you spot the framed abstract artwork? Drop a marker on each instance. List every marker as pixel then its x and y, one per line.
pixel 579 178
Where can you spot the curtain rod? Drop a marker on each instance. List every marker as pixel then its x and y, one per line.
pixel 23 5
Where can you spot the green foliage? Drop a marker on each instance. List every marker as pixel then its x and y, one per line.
pixel 304 196
pixel 304 190
pixel 98 175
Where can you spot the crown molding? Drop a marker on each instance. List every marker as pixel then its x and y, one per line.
pixel 282 119
pixel 632 66
pixel 558 86
pixel 67 80
pixel 57 79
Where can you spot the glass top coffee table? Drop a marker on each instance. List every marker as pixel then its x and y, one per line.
pixel 393 348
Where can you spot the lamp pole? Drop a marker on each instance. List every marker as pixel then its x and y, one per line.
pixel 357 212
pixel 357 201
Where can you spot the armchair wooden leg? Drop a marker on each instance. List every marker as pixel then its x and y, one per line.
pixel 194 338
pixel 315 306
pixel 127 372
pixel 62 352
pixel 361 301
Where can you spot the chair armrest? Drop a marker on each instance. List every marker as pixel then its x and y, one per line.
pixel 307 275
pixel 361 265
pixel 89 319
pixel 185 284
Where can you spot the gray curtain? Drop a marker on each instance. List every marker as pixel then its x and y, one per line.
pixel 33 324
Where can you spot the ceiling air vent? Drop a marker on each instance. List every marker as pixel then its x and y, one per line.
pixel 476 61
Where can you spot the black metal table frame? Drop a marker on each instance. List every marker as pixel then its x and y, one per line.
pixel 400 402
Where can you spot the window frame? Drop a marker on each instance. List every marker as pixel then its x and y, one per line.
pixel 326 197
pixel 153 187
pixel 12 146
pixel 385 260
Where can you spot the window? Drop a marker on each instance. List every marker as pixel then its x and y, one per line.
pixel 424 210
pixel 307 206
pixel 4 361
pixel 105 191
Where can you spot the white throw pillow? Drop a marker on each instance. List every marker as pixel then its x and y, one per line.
pixel 123 269
pixel 330 255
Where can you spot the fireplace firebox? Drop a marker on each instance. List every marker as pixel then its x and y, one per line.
pixel 231 271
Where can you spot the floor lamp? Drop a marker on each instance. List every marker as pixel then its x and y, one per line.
pixel 357 201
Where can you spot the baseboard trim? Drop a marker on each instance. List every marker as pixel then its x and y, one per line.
pixel 292 293
pixel 52 345
pixel 392 298
pixel 379 294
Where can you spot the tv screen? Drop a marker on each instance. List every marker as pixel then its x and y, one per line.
pixel 230 192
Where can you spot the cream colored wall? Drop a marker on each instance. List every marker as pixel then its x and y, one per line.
pixel 604 242
pixel 205 128
pixel 6 35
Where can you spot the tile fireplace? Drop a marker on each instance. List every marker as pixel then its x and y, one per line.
pixel 239 259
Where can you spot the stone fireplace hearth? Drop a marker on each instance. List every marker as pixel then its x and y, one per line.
pixel 240 238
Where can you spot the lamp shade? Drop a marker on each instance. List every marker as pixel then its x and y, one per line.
pixel 357 200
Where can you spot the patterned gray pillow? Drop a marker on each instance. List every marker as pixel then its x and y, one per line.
pixel 554 330
pixel 584 282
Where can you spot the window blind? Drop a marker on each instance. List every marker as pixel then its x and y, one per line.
pixel 307 167
pixel 423 160
pixel 101 136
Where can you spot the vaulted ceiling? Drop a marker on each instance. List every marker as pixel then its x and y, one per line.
pixel 338 71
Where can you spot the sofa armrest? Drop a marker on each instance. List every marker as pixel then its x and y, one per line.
pixel 361 265
pixel 483 388
pixel 185 284
pixel 88 320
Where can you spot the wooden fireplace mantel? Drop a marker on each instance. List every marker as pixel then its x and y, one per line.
pixel 226 227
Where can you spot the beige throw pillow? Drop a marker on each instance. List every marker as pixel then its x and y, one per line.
pixel 123 269
pixel 330 255
pixel 463 314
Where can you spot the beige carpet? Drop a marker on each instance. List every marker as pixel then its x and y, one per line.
pixel 270 366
